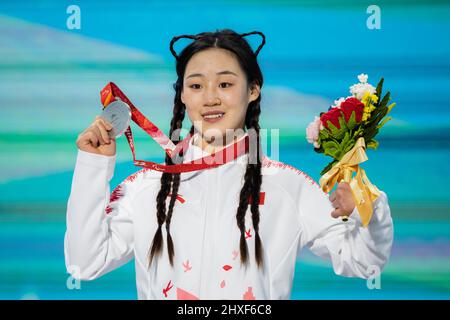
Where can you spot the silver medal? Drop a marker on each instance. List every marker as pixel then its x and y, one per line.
pixel 118 113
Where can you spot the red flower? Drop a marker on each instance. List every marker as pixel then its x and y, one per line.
pixel 350 105
pixel 332 116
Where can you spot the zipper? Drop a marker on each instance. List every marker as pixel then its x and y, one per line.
pixel 213 226
pixel 205 237
pixel 209 234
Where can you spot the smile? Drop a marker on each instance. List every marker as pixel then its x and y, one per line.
pixel 213 116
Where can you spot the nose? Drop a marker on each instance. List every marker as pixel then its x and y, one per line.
pixel 211 97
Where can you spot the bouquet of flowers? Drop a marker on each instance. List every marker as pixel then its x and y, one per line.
pixel 344 132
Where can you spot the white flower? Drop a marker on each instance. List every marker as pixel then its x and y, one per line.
pixel 358 90
pixel 337 103
pixel 363 78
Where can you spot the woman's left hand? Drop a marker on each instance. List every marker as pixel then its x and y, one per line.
pixel 342 200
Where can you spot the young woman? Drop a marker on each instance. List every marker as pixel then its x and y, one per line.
pixel 229 232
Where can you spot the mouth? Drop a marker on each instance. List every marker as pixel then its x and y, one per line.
pixel 213 116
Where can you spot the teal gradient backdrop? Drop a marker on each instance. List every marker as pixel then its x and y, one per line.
pixel 50 78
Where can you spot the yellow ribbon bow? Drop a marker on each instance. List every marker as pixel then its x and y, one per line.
pixel 364 192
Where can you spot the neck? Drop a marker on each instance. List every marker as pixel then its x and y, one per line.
pixel 211 146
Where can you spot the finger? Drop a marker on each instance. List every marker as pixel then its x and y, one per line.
pixel 337 213
pixel 343 186
pixel 335 203
pixel 92 139
pixel 103 131
pixel 333 197
pixel 107 124
pixel 95 129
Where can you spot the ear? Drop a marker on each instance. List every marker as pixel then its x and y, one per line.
pixel 182 96
pixel 254 92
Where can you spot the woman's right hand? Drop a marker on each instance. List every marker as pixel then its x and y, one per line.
pixel 95 139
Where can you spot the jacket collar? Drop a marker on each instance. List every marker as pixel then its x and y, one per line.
pixel 194 152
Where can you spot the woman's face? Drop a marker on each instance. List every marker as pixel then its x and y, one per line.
pixel 216 93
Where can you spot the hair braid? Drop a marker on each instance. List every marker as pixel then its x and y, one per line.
pixel 251 187
pixel 169 184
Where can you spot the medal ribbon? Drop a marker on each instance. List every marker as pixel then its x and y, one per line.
pixel 231 152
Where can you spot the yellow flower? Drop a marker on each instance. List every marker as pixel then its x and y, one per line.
pixel 369 98
pixel 365 116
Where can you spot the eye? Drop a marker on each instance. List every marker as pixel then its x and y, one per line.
pixel 230 84
pixel 193 86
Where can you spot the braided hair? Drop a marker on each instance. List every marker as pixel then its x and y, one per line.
pixel 234 42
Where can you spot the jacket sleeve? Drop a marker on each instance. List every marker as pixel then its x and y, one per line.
pixel 355 251
pixel 99 234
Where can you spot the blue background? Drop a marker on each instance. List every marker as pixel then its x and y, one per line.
pixel 50 78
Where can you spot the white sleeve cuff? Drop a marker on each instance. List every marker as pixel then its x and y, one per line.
pixel 98 161
pixel 354 219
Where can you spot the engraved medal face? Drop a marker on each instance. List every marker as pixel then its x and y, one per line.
pixel 118 113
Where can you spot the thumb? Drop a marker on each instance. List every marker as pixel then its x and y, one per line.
pixel 337 213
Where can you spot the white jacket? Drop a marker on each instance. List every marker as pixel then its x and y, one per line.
pixel 106 231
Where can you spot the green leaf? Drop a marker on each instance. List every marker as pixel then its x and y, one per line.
pixel 352 121
pixel 383 122
pixel 331 148
pixel 385 99
pixel 376 117
pixel 369 134
pixel 346 138
pixel 373 144
pixel 343 129
pixel 323 134
pixel 349 146
pixel 328 167
pixel 379 89
pixel 358 132
pixel 334 130
pixel 390 107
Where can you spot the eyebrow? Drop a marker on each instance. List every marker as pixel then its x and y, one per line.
pixel 219 73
